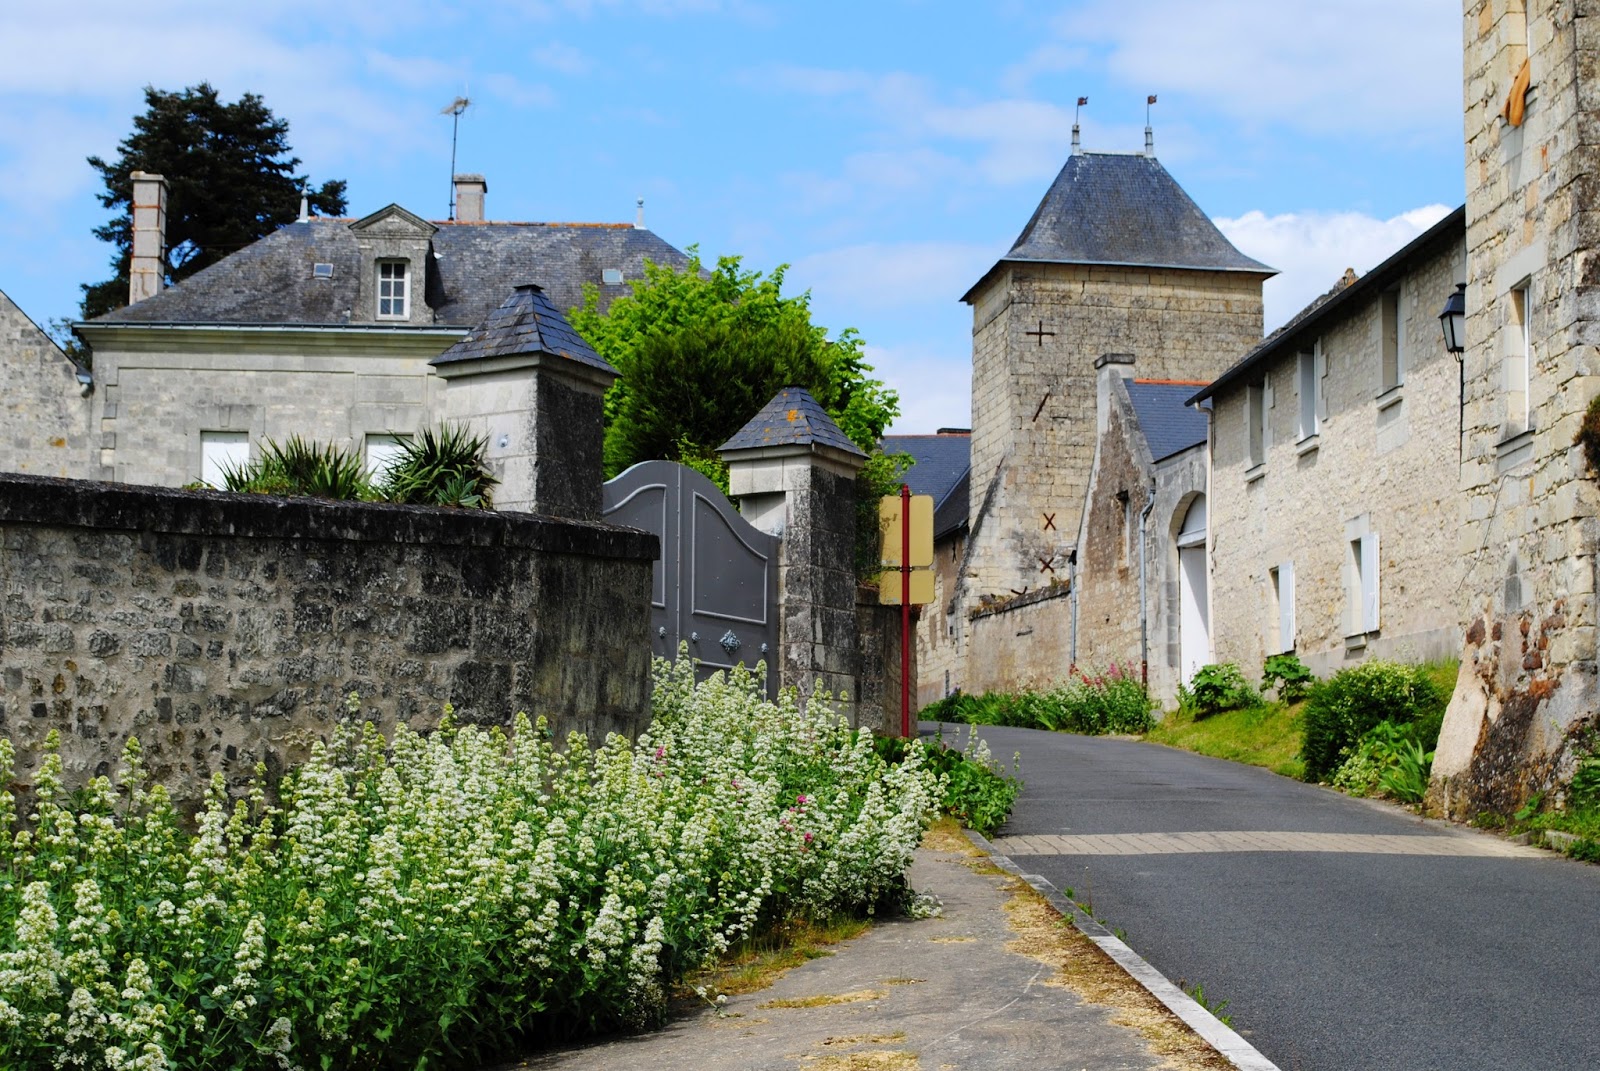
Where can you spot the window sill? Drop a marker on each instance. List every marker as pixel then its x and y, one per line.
pixel 1356 642
pixel 1255 472
pixel 1391 397
pixel 1308 445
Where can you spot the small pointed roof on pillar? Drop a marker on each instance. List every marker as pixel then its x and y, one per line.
pixel 526 325
pixel 793 422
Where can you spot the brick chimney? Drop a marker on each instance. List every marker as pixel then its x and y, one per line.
pixel 1108 368
pixel 469 198
pixel 147 270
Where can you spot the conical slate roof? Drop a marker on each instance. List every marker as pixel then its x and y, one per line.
pixel 526 322
pixel 1124 209
pixel 792 418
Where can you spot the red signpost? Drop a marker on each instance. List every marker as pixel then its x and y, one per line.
pixel 905 611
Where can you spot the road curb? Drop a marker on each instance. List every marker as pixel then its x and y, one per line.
pixel 1235 1049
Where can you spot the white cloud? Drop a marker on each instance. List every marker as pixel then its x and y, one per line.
pixel 934 384
pixel 879 276
pixel 562 58
pixel 1313 249
pixel 1373 66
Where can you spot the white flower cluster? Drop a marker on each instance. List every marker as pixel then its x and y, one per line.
pixel 436 899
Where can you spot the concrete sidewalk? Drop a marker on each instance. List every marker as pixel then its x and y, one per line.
pixel 996 981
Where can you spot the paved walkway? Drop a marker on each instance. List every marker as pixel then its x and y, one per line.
pixel 974 988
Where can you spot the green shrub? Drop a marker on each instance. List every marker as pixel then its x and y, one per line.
pixel 1216 688
pixel 1345 707
pixel 301 468
pixel 1288 675
pixel 978 792
pixel 441 466
pixel 1110 702
pixel 1407 779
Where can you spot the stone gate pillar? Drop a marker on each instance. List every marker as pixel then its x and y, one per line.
pixel 793 473
pixel 529 382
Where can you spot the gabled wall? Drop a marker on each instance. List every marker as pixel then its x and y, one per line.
pixel 44 414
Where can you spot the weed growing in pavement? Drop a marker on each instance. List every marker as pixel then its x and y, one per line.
pixel 437 900
pixel 1215 1008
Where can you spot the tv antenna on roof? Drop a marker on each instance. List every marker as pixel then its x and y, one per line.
pixel 454 110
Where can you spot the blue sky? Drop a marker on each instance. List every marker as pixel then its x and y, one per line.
pixel 889 150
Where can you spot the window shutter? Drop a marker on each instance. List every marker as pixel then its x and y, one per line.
pixel 1369 582
pixel 1321 371
pixel 1268 400
pixel 1286 606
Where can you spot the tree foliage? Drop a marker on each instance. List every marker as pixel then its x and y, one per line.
pixel 230 178
pixel 701 352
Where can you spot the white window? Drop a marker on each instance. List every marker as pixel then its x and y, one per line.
pixel 1312 403
pixel 1362 596
pixel 383 451
pixel 1255 417
pixel 222 452
pixel 394 291
pixel 1394 355
pixel 1282 580
pixel 1519 358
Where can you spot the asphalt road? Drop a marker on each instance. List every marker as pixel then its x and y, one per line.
pixel 1331 960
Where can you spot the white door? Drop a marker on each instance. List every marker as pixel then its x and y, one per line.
pixel 1194 605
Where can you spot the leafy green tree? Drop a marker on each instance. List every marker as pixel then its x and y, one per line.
pixel 701 352
pixel 230 179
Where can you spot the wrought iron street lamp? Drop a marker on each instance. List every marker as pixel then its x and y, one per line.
pixel 1453 321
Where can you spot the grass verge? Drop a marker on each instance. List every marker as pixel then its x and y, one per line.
pixel 1266 736
pixel 755 964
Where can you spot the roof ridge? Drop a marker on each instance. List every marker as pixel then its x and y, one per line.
pixel 1175 382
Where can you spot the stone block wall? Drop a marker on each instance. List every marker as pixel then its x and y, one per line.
pixel 1529 527
pixel 878 705
pixel 154 396
pixel 940 626
pixel 44 416
pixel 226 630
pixel 1037 331
pixel 1025 643
pixel 1385 462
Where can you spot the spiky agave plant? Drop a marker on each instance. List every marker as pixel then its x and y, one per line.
pixel 298 467
pixel 442 466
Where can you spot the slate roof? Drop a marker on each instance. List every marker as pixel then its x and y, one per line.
pixel 1169 424
pixel 525 322
pixel 793 417
pixel 470 269
pixel 1123 209
pixel 1311 321
pixel 942 469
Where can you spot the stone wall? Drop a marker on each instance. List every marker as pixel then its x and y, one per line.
pixel 1024 643
pixel 226 630
pixel 1528 531
pixel 1381 461
pixel 878 705
pixel 44 416
pixel 940 625
pixel 155 392
pixel 1033 395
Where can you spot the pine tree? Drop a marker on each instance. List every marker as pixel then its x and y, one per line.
pixel 230 179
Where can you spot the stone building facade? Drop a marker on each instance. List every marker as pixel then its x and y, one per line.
pixel 1116 259
pixel 326 329
pixel 44 400
pixel 1529 529
pixel 1335 457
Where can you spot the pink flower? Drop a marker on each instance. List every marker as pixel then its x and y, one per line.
pixel 660 753
pixel 801 799
pixel 808 838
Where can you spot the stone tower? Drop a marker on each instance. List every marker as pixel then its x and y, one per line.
pixel 1116 259
pixel 1530 523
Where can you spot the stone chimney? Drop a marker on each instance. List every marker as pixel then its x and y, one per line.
pixel 1107 368
pixel 147 269
pixel 469 198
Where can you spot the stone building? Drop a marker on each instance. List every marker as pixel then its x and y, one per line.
pixel 325 328
pixel 1335 454
pixel 942 469
pixel 1116 259
pixel 1529 527
pixel 44 400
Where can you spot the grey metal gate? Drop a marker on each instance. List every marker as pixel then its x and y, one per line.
pixel 716 582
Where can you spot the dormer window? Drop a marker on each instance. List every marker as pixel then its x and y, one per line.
pixel 393 290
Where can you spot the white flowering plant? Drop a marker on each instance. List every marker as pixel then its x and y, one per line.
pixel 439 900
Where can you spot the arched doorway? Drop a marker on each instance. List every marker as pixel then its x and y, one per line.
pixel 1194 604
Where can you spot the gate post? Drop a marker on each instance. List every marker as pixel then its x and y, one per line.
pixel 530 383
pixel 793 473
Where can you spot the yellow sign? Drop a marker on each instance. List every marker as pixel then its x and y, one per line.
pixel 921 587
pixel 921 533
